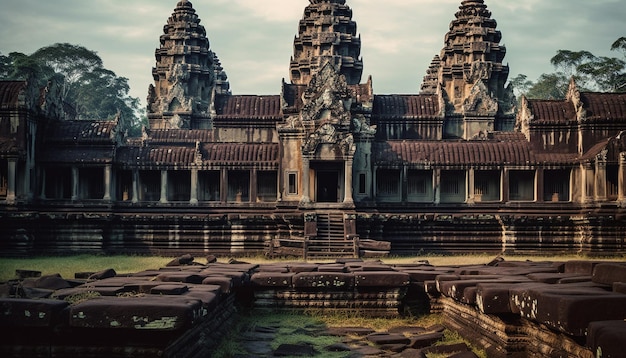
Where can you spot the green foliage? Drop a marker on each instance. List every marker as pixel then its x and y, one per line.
pixel 591 73
pixel 67 266
pixel 94 91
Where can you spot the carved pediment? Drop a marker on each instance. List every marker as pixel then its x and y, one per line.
pixel 478 71
pixel 480 101
pixel 327 98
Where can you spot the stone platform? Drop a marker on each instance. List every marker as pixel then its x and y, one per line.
pixel 510 308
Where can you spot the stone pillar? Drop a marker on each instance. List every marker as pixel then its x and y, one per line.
pixel 588 183
pixel 306 196
pixel 504 186
pixel 600 182
pixel 107 182
pixel 348 197
pixel 621 179
pixel 404 184
pixel 75 179
pixel 471 192
pixel 375 182
pixel 11 181
pixel 194 187
pixel 135 186
pixel 539 185
pixel 437 185
pixel 224 186
pixel 253 186
pixel 163 187
pixel 43 184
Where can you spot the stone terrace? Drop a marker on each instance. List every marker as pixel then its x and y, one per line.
pixel 510 308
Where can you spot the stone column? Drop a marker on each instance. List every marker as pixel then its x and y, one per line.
pixel 75 179
pixel 374 182
pixel 404 184
pixel 437 185
pixel 621 179
pixel 588 183
pixel 539 185
pixel 504 186
pixel 194 187
pixel 107 182
pixel 43 183
pixel 163 187
pixel 306 196
pixel 348 197
pixel 600 183
pixel 471 191
pixel 12 181
pixel 253 186
pixel 224 186
pixel 135 186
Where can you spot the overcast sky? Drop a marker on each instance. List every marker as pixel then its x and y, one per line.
pixel 254 38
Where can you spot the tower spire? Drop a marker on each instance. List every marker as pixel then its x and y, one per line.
pixel 326 33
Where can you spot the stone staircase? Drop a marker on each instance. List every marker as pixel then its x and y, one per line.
pixel 330 241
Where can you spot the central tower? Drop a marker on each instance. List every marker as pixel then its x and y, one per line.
pixel 326 34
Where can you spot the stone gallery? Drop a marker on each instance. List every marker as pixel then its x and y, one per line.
pixel 326 167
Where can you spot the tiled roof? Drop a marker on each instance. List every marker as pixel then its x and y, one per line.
pixel 156 155
pixel 241 153
pixel 263 108
pixel 8 146
pixel 405 106
pixel 605 106
pixel 455 153
pixel 552 112
pixel 255 154
pixel 166 136
pixel 10 92
pixel 77 155
pixel 82 131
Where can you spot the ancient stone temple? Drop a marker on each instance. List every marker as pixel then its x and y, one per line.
pixel 324 168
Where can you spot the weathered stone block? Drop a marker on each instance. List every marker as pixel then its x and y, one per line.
pixel 22 312
pixel 571 310
pixel 171 289
pixel 381 279
pixel 606 338
pixel 553 278
pixel 619 287
pixel 446 349
pixel 181 261
pixel 387 338
pixel 320 280
pixel 425 340
pixel 225 283
pixel 332 268
pixel 101 275
pixel 493 298
pixel 581 267
pixel 609 273
pixel 48 282
pixel 155 313
pixel 422 275
pixel 181 277
pixel 103 291
pixel 302 267
pixel 272 279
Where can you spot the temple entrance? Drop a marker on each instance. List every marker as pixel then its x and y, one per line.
pixel 327 186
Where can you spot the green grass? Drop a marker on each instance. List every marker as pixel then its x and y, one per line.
pixel 67 266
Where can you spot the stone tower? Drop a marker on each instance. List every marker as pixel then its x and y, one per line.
pixel 327 34
pixel 470 74
pixel 185 74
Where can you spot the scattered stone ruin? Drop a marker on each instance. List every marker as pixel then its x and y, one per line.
pixel 507 308
pixel 325 168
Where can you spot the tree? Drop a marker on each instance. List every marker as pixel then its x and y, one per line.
pixel 592 73
pixel 94 91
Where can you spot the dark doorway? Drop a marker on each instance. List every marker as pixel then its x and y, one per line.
pixel 327 188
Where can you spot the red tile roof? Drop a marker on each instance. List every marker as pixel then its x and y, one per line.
pixel 552 112
pixel 233 154
pixel 405 107
pixel 455 153
pixel 241 153
pixel 77 155
pixel 260 108
pixel 605 106
pixel 169 136
pixel 8 146
pixel 170 155
pixel 82 131
pixel 10 92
